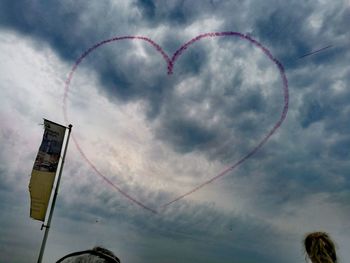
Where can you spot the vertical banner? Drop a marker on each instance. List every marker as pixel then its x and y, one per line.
pixel 44 170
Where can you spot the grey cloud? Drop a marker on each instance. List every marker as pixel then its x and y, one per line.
pixel 174 13
pixel 117 73
pixel 289 35
pixel 159 11
pixel 314 112
pixel 185 135
pixel 340 149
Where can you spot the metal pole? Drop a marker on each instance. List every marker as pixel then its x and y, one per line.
pixel 54 199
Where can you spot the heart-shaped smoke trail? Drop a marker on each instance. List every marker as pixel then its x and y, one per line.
pixel 170 62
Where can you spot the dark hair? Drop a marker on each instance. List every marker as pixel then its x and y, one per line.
pixel 320 248
pixel 95 255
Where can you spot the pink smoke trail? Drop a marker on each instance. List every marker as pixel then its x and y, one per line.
pixel 170 66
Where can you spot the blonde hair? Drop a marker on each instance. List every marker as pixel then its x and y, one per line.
pixel 320 248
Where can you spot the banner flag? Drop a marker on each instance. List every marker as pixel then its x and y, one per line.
pixel 44 170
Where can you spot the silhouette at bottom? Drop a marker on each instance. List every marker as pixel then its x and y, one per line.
pixel 320 248
pixel 95 255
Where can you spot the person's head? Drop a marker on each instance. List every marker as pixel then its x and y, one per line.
pixel 320 248
pixel 96 255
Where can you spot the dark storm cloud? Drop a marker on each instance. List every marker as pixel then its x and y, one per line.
pixel 340 149
pixel 55 23
pixel 290 36
pixel 159 11
pixel 180 13
pixel 132 78
pixel 313 112
pixel 185 135
pixel 285 31
pixel 71 28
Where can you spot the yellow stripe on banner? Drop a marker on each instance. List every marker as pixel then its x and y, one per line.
pixel 40 188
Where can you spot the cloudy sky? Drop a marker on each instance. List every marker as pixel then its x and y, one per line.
pixel 155 121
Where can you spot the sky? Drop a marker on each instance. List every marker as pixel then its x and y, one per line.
pixel 229 148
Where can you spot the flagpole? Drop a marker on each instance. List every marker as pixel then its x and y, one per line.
pixel 47 226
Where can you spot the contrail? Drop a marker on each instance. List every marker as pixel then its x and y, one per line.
pixel 316 51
